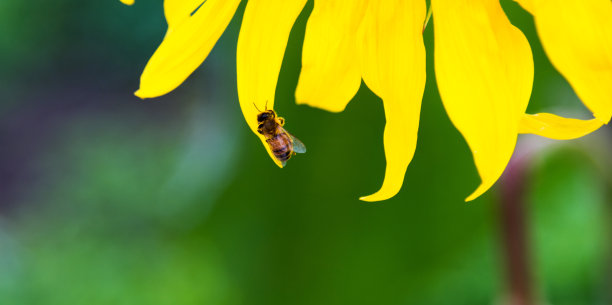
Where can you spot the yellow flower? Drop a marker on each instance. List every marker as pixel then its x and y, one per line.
pixel 483 64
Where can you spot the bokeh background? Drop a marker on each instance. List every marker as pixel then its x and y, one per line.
pixel 107 199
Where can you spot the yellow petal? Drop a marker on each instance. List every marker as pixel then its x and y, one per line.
pixel 577 37
pixel 127 2
pixel 187 43
pixel 330 74
pixel 393 67
pixel 484 70
pixel 261 45
pixel 177 11
pixel 556 127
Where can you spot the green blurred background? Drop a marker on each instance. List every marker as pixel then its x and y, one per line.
pixel 107 199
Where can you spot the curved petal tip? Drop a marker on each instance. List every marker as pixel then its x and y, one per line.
pixel 482 188
pixel 127 2
pixel 141 94
pixel 394 175
pixel 378 196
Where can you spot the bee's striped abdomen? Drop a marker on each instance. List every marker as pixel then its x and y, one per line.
pixel 281 146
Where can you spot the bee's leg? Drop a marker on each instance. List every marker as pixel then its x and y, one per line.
pixel 260 128
pixel 281 121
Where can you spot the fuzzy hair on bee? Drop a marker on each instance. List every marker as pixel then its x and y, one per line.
pixel 282 144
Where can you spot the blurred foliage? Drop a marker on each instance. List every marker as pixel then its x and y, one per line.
pixel 571 228
pixel 107 199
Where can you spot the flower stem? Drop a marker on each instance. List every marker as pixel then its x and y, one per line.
pixel 514 235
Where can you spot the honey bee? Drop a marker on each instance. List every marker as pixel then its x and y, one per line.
pixel 282 144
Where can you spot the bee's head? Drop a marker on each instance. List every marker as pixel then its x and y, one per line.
pixel 266 115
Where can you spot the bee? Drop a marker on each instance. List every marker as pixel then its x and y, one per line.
pixel 282 144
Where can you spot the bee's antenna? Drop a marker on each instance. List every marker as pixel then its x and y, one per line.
pixel 256 107
pixel 266 104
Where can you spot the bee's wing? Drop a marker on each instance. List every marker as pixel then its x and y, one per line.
pixel 298 146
